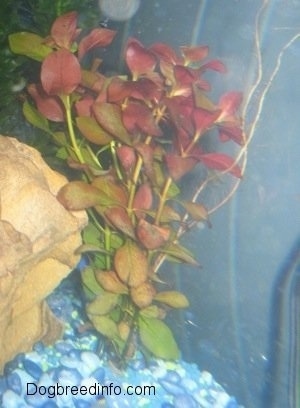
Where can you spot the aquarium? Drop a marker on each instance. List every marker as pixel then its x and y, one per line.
pixel 151 251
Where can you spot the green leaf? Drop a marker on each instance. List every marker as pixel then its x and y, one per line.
pixel 172 298
pixel 156 336
pixel 197 211
pixel 34 117
pixel 173 191
pixel 60 138
pixel 109 117
pixel 109 188
pixel 92 131
pixel 89 280
pixel 91 234
pixel 106 326
pixel 62 153
pixel 180 253
pixel 131 264
pixel 91 248
pixel 202 101
pixel 103 304
pixel 29 44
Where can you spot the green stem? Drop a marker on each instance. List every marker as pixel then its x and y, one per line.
pixel 66 101
pixel 107 244
pixel 135 177
pixel 162 200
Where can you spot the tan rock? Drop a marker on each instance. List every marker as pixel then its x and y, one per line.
pixel 38 240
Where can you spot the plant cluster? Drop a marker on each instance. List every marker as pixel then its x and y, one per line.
pixel 133 138
pixel 35 16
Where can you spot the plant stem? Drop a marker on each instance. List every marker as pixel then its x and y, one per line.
pixel 135 177
pixel 162 200
pixel 107 242
pixel 66 101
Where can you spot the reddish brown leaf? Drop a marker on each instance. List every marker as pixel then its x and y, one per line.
pixel 194 54
pixel 60 73
pixel 138 117
pixel 152 236
pixel 178 166
pixel 142 89
pixel 221 162
pixel 131 264
pixel 138 59
pixel 99 37
pixel 49 106
pixel 119 218
pixel 143 199
pixel 127 157
pixel 84 106
pixel 143 294
pixel 146 153
pixel 64 31
pixel 110 282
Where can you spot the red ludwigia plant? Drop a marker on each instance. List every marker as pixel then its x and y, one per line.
pixel 134 138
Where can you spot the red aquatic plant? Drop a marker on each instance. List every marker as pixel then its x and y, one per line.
pixel 134 137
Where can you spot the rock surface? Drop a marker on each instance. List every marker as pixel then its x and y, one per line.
pixel 38 240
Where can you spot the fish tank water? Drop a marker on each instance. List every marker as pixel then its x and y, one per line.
pixel 239 339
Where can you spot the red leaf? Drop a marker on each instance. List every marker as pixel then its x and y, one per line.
pixel 142 89
pixel 146 153
pixel 234 133
pixel 166 53
pixel 99 37
pixel 143 199
pixel 138 117
pixel 204 119
pixel 178 166
pixel 64 31
pixel 215 65
pixel 221 162
pixel 120 219
pixel 180 109
pixel 83 107
pixel 229 103
pixel 127 157
pixel 194 54
pixel 152 236
pixel 139 60
pixel 49 106
pixel 60 73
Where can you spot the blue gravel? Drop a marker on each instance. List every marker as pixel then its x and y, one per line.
pixel 71 373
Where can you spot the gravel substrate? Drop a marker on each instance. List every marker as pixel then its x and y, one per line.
pixel 86 380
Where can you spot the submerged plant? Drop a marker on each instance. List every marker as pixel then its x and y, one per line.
pixel 133 139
